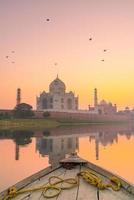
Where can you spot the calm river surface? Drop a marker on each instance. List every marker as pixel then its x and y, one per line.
pixel 23 153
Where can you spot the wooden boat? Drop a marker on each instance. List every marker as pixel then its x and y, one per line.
pixel 67 182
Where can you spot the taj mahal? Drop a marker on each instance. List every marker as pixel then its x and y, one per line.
pixel 57 98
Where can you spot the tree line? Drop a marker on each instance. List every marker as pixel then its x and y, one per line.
pixel 22 110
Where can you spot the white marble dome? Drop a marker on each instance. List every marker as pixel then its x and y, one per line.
pixel 57 86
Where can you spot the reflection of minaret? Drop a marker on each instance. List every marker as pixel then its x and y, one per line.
pixel 97 148
pixel 18 99
pixel 95 97
pixel 17 152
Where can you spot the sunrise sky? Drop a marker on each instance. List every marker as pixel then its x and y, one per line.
pixel 33 46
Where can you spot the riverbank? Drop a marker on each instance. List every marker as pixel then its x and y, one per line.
pixel 28 124
pixel 39 124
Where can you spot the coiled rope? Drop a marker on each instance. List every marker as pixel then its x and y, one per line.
pixel 97 181
pixel 88 176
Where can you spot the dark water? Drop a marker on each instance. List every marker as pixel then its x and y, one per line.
pixel 23 153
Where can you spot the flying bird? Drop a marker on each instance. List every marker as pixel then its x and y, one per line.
pixel 7 56
pixel 90 38
pixel 47 19
pixel 102 60
pixel 105 50
pixel 55 63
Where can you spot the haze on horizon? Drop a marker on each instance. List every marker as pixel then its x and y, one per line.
pixel 33 50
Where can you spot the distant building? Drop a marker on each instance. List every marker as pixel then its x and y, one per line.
pixel 106 108
pixel 127 110
pixel 103 107
pixel 57 98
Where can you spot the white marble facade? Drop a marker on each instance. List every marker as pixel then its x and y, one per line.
pixel 57 98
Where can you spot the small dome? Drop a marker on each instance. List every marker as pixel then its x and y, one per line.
pixel 57 86
pixel 103 102
pixel 71 93
pixel 43 93
pixel 110 104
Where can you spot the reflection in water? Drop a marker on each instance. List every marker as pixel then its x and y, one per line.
pixel 20 138
pixel 56 143
pixel 56 148
pixel 104 138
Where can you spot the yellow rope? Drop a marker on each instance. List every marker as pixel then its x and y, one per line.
pixel 95 180
pixel 88 176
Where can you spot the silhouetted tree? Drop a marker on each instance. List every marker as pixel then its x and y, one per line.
pixel 23 110
pixel 5 115
pixel 46 132
pixel 1 116
pixel 46 114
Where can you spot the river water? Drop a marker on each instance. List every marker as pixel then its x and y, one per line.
pixel 23 153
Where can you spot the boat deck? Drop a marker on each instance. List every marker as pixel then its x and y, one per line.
pixel 84 191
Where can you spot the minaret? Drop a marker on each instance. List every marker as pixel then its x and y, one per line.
pixel 18 99
pixel 95 97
